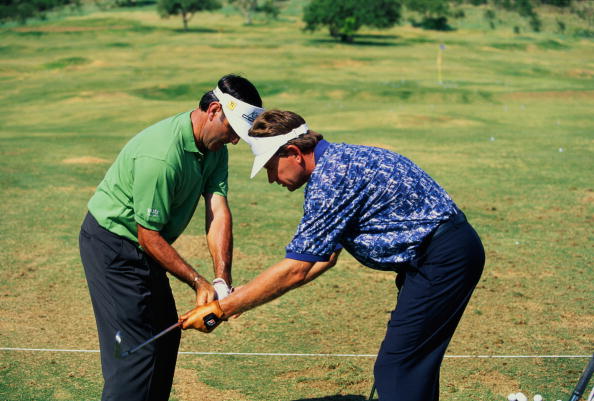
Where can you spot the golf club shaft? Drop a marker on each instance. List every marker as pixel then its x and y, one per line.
pixel 583 382
pixel 372 392
pixel 150 340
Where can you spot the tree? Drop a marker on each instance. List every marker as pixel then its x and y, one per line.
pixel 524 8
pixel 434 13
pixel 22 10
pixel 344 18
pixel 185 8
pixel 248 8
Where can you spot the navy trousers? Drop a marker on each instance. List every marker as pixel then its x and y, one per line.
pixel 129 292
pixel 433 293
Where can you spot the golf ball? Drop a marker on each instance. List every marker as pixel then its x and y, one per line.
pixel 521 397
pixel 537 397
pixel 511 397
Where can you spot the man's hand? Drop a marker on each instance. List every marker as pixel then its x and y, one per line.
pixel 204 318
pixel 205 292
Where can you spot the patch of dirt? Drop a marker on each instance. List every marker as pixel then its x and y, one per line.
pixel 192 246
pixel 580 73
pixel 312 377
pixel 588 198
pixel 61 394
pixel 195 246
pixel 344 64
pixel 497 382
pixel 85 160
pixel 392 118
pixel 287 96
pixel 72 188
pixel 97 96
pixel 337 94
pixel 188 387
pixel 568 319
pixel 443 121
pixel 517 273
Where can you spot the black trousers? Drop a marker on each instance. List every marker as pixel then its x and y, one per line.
pixel 129 292
pixel 434 291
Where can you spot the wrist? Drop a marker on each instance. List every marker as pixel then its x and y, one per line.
pixel 224 315
pixel 195 283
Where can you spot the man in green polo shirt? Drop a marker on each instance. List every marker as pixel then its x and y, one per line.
pixel 143 204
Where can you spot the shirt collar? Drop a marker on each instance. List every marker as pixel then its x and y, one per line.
pixel 320 148
pixel 188 136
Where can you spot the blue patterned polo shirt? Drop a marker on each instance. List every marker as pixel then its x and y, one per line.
pixel 377 204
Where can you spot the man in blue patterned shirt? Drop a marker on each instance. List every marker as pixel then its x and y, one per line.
pixel 390 215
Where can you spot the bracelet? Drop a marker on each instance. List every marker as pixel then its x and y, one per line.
pixel 194 283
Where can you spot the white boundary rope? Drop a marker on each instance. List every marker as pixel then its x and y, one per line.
pixel 301 355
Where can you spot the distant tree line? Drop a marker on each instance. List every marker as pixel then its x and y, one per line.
pixel 22 10
pixel 187 8
pixel 342 18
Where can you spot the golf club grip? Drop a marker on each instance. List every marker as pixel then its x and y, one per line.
pixel 583 382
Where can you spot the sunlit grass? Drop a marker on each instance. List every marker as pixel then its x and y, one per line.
pixel 508 133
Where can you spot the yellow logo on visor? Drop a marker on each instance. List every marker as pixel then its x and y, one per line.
pixel 232 105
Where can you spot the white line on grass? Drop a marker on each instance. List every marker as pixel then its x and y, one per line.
pixel 299 355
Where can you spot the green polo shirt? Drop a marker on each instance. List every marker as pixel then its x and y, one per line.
pixel 157 180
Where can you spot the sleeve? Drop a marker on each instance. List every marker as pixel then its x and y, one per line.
pixel 329 208
pixel 217 182
pixel 152 191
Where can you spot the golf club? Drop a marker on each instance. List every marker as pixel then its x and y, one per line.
pixel 372 392
pixel 583 382
pixel 118 341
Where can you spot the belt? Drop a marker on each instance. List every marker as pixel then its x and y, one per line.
pixel 447 225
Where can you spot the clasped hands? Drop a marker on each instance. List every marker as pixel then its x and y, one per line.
pixel 204 318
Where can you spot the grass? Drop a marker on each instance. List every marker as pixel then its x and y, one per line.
pixel 508 134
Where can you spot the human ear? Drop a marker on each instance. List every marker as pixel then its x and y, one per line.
pixel 294 151
pixel 213 109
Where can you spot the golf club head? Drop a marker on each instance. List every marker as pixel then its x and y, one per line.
pixel 118 345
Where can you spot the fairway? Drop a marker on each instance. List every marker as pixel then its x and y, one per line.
pixel 509 133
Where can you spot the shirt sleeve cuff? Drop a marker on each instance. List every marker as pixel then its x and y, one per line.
pixel 307 257
pixel 155 226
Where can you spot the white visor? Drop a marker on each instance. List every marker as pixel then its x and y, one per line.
pixel 241 115
pixel 264 148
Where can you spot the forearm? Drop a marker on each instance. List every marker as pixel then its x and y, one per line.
pixel 320 267
pixel 160 250
pixel 270 284
pixel 219 236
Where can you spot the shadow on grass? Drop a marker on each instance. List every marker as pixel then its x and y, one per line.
pixel 356 42
pixel 194 30
pixel 375 36
pixel 337 397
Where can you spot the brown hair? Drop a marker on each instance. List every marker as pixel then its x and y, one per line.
pixel 277 122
